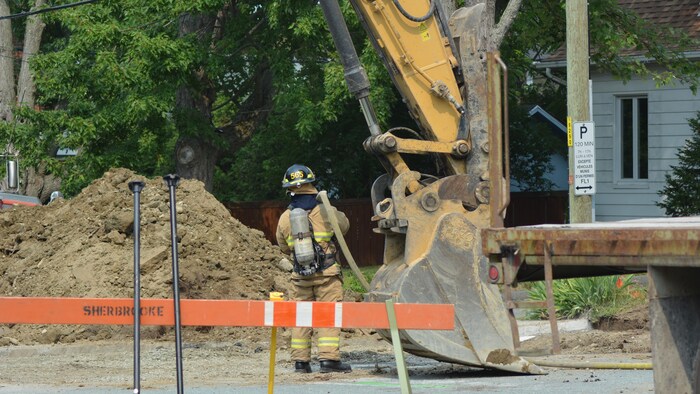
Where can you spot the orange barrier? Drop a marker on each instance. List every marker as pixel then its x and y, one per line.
pixel 119 311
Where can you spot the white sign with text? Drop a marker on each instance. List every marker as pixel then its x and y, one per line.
pixel 584 158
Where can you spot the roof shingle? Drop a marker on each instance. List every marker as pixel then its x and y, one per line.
pixel 683 15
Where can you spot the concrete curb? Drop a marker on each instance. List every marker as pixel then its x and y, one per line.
pixel 529 329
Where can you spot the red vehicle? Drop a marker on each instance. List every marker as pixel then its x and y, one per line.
pixel 9 200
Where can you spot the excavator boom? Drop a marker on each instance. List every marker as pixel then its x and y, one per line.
pixel 432 223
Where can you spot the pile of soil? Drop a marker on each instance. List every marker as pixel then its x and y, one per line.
pixel 84 247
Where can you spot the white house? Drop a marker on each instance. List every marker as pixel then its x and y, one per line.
pixel 639 126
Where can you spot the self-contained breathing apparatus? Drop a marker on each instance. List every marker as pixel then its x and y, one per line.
pixel 309 256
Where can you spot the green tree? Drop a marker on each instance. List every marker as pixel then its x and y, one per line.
pixel 20 40
pixel 127 83
pixel 681 194
pixel 314 121
pixel 616 31
pixel 174 85
pixel 107 85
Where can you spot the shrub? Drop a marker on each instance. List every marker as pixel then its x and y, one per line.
pixel 681 194
pixel 350 281
pixel 591 297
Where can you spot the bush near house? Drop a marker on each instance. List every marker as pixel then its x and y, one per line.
pixel 681 195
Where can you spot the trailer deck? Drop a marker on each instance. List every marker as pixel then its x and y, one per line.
pixel 667 248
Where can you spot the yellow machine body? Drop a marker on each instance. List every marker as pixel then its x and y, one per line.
pixel 432 224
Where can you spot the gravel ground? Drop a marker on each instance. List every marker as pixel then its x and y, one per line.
pixel 110 364
pixel 243 366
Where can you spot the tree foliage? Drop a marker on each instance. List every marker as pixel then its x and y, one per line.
pixel 617 32
pixel 531 143
pixel 265 89
pixel 681 194
pixel 112 72
pixel 621 42
pixel 106 86
pixel 315 121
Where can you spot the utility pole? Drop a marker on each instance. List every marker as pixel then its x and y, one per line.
pixel 577 96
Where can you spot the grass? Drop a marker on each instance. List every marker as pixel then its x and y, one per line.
pixel 350 281
pixel 593 298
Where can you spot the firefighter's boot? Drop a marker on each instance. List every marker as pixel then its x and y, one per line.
pixel 302 367
pixel 334 366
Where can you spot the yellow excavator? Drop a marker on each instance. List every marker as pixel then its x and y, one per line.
pixel 432 224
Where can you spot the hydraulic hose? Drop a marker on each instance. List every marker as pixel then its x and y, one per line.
pixel 590 365
pixel 415 18
pixel 323 198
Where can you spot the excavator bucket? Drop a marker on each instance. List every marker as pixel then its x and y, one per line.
pixel 435 257
pixel 433 246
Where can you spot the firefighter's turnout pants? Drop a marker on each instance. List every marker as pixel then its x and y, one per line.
pixel 326 287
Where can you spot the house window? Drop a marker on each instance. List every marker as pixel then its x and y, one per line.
pixel 634 138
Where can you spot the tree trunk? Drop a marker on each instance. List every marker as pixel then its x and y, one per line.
pixel 36 181
pixel 195 153
pixel 252 112
pixel 196 159
pixel 449 7
pixel 32 41
pixel 7 78
pixel 7 73
pixel 40 184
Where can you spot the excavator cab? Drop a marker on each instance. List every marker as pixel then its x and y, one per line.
pixel 432 224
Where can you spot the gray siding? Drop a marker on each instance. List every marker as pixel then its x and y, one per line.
pixel 670 107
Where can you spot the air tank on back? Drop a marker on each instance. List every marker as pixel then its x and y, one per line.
pixel 303 247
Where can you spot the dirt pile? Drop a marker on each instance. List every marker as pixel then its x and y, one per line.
pixel 83 247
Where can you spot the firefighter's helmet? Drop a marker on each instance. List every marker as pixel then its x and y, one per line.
pixel 298 175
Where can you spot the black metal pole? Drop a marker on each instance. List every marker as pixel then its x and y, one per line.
pixel 172 180
pixel 136 187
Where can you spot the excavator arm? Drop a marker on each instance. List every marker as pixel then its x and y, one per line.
pixel 431 223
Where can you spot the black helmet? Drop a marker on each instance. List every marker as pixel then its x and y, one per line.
pixel 298 175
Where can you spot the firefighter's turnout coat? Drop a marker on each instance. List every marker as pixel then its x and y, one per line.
pixel 324 286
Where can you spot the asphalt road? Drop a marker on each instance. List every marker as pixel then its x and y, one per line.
pixel 424 379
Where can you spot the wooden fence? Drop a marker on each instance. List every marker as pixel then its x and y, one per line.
pixel 367 247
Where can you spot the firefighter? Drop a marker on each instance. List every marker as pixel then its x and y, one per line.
pixel 317 275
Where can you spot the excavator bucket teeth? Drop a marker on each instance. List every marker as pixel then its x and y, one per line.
pixel 452 272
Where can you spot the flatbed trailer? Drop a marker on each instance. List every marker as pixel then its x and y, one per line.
pixel 667 248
